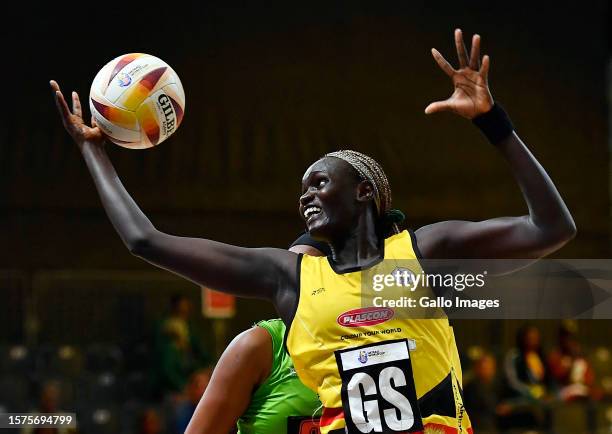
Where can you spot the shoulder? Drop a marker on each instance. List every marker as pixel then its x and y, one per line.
pixel 435 241
pixel 402 245
pixel 284 270
pixel 274 326
pixel 253 341
pixel 284 260
pixel 251 351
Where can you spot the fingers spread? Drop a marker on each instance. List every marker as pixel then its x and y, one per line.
pixel 76 105
pixel 475 53
pixel 60 102
pixel 438 106
pixel 54 86
pixel 461 50
pixel 441 61
pixel 484 69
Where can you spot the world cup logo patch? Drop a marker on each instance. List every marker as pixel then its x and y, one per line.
pixel 363 356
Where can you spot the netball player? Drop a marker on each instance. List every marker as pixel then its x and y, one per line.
pixel 400 375
pixel 255 384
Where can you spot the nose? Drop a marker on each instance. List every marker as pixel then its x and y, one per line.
pixel 306 198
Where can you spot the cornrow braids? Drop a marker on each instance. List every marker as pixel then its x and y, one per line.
pixel 368 169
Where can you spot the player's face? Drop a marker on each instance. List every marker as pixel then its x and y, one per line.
pixel 328 203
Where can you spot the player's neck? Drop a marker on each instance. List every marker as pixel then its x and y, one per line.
pixel 361 247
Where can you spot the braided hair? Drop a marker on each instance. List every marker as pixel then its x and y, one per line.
pixel 369 170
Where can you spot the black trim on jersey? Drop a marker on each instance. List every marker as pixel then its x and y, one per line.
pixel 421 258
pixel 298 273
pixel 459 387
pixel 440 400
pixel 417 251
pixel 436 290
pixel 333 265
pixel 415 246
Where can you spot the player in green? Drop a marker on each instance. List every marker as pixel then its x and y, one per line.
pixel 254 385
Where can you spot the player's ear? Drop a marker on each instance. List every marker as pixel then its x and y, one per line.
pixel 365 191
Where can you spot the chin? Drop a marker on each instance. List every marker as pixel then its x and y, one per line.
pixel 318 232
pixel 321 231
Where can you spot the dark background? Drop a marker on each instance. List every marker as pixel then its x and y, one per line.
pixel 270 87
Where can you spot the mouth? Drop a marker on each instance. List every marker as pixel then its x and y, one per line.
pixel 310 212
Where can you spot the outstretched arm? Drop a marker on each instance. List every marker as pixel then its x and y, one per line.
pixel 244 365
pixel 241 271
pixel 549 224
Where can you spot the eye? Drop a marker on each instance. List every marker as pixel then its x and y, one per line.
pixel 321 182
pixel 316 180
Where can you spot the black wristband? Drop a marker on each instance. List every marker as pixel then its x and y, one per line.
pixel 494 124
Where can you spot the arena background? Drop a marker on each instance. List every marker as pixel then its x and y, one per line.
pixel 270 88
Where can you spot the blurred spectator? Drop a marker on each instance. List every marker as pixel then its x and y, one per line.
pixel 178 350
pixel 49 402
pixel 572 375
pixel 570 371
pixel 482 394
pixel 186 405
pixel 150 422
pixel 525 396
pixel 525 370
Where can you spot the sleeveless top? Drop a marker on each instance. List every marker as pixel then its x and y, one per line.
pixel 375 368
pixel 282 399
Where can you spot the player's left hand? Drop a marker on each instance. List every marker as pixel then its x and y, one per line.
pixel 471 96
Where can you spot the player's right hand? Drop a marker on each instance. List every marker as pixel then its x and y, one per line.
pixel 81 133
pixel 471 96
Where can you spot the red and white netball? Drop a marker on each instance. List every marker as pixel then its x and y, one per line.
pixel 137 100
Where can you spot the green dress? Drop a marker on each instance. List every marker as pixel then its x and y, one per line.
pixel 281 396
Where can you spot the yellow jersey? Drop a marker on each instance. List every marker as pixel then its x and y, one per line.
pixel 375 368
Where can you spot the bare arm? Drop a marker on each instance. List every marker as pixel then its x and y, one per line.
pixel 244 365
pixel 547 226
pixel 241 271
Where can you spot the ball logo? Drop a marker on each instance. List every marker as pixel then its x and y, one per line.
pixel 366 316
pixel 124 79
pixel 169 123
pixel 363 356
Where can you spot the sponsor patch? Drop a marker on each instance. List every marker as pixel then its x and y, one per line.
pixel 365 316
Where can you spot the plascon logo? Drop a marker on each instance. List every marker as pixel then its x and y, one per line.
pixel 365 316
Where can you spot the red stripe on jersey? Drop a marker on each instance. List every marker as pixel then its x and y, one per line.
pixel 331 414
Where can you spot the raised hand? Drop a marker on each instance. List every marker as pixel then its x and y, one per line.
pixel 471 96
pixel 73 121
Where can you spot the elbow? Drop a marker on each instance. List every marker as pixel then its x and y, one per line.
pixel 139 244
pixel 553 238
pixel 572 230
pixel 566 231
